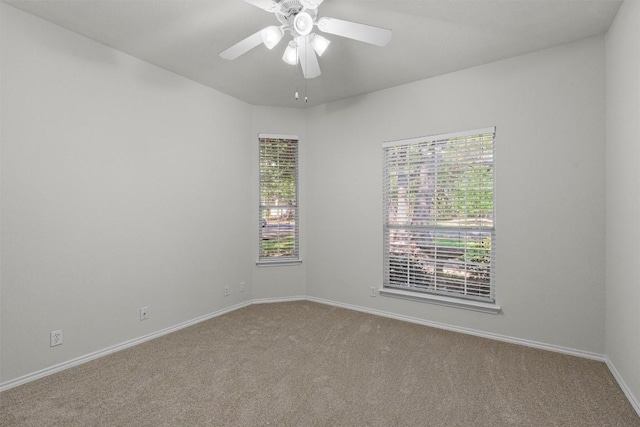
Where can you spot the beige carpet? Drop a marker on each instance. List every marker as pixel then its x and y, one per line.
pixel 307 364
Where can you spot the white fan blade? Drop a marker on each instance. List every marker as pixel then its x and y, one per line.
pixel 311 4
pixel 361 32
pixel 308 58
pixel 268 5
pixel 242 47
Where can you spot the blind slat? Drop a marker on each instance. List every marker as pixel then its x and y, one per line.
pixel 278 210
pixel 439 234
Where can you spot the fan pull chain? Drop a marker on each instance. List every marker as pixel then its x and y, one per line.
pixel 306 52
pixel 296 95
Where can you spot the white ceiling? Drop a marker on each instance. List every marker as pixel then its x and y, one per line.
pixel 430 37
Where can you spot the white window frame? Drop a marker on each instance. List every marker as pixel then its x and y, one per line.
pixel 424 285
pixel 294 259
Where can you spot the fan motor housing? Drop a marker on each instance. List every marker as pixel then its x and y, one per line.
pixel 289 9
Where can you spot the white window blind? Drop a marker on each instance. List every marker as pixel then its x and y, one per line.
pixel 278 221
pixel 439 234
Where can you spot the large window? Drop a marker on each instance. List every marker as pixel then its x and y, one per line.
pixel 278 220
pixel 439 233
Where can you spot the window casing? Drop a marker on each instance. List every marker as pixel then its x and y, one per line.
pixel 278 206
pixel 439 228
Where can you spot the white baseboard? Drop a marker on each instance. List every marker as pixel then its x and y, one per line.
pixel 113 349
pixel 272 300
pixel 543 346
pixel 627 391
pixel 109 350
pixel 498 337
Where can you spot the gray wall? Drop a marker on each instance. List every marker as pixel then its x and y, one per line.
pixel 548 108
pixel 276 282
pixel 623 195
pixel 115 186
pixel 115 195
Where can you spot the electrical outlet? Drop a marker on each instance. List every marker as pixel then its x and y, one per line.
pixel 243 287
pixel 227 291
pixel 373 292
pixel 56 337
pixel 144 313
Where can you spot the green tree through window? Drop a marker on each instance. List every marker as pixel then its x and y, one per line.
pixel 439 215
pixel 278 198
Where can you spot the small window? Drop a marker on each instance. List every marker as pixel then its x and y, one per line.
pixel 439 233
pixel 278 210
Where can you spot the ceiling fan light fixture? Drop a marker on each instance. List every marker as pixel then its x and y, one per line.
pixel 291 54
pixel 303 23
pixel 299 17
pixel 319 43
pixel 271 36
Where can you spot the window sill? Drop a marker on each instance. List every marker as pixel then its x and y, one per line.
pixel 279 263
pixel 482 307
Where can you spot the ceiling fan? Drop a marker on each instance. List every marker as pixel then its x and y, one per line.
pixel 298 17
